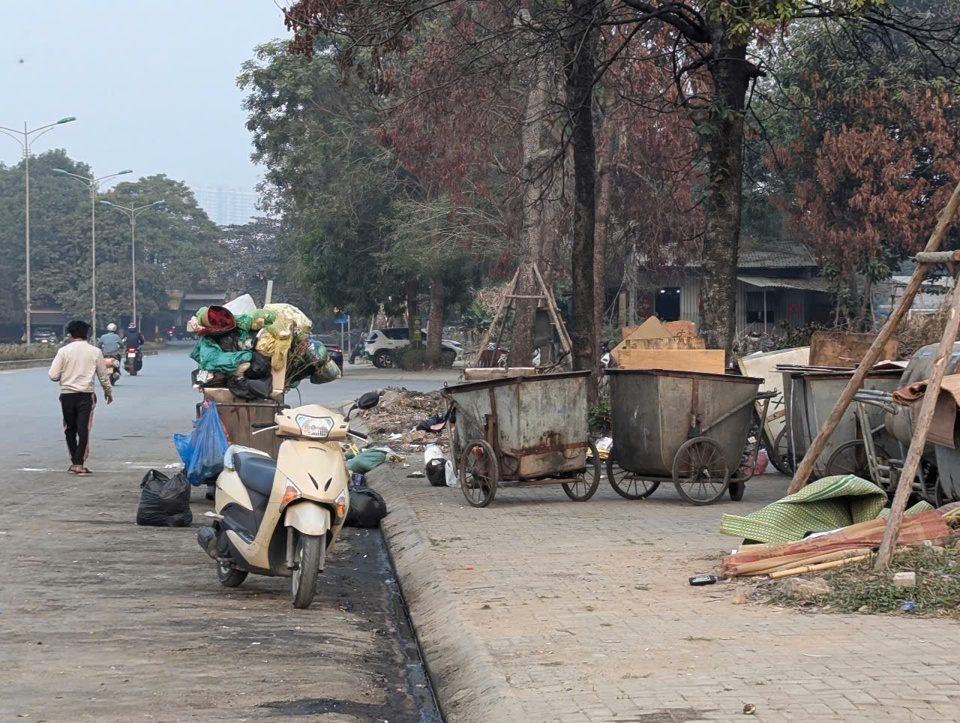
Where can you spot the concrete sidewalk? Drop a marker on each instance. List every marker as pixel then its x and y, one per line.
pixel 541 609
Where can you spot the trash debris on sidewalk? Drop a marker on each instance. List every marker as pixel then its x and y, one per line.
pixel 434 464
pixel 402 414
pixel 164 501
pixel 851 541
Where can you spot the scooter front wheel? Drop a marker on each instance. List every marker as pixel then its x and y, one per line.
pixel 310 551
pixel 229 575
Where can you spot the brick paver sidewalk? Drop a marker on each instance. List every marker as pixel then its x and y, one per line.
pixel 587 609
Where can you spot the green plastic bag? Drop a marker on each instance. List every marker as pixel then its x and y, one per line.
pixel 367 460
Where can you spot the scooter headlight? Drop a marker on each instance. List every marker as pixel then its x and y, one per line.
pixel 315 427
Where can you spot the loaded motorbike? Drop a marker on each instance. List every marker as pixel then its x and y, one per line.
pixel 113 367
pixel 279 517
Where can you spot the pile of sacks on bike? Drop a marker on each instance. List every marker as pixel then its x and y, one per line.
pixel 240 347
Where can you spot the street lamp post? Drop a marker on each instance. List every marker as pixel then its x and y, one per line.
pixel 24 139
pixel 132 212
pixel 93 184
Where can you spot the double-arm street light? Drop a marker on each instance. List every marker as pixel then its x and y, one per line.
pixel 25 138
pixel 132 212
pixel 93 185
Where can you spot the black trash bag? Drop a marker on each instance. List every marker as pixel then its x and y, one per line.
pixel 259 367
pixel 164 501
pixel 249 389
pixel 367 508
pixel 229 342
pixel 437 473
pixel 436 423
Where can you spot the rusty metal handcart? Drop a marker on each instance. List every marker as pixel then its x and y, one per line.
pixel 523 431
pixel 689 428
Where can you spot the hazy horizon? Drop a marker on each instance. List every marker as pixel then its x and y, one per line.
pixel 153 86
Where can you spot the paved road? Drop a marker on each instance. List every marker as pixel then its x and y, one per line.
pixel 104 620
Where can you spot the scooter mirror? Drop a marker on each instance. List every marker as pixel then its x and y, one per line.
pixel 369 400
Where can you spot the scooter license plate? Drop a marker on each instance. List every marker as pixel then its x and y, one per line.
pixel 131 355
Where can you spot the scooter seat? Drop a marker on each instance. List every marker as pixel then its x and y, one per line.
pixel 255 471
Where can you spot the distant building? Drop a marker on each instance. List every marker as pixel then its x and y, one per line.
pixel 227 206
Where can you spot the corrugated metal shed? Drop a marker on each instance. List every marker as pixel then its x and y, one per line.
pixel 812 284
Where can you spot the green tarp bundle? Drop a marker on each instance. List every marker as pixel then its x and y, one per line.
pixel 827 504
pixel 208 354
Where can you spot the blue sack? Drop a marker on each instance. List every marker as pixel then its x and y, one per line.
pixel 202 452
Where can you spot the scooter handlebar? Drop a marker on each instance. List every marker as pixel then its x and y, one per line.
pixel 263 425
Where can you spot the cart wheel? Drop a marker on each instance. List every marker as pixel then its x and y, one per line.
pixel 586 482
pixel 851 458
pixel 628 484
pixel 700 471
pixel 479 473
pixel 780 454
pixel 736 490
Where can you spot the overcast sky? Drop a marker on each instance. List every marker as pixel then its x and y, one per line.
pixel 152 84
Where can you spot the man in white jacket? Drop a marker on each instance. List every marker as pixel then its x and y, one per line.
pixel 75 366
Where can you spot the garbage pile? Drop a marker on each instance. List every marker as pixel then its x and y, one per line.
pixel 414 419
pixel 242 348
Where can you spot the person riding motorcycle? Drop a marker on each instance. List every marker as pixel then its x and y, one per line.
pixel 110 342
pixel 133 339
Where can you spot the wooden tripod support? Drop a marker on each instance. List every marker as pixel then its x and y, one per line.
pixel 924 260
pixel 499 321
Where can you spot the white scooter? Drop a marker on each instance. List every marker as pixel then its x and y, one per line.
pixel 279 517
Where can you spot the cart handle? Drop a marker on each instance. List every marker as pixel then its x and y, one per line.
pixel 765 396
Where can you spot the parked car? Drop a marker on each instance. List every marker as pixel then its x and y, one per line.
pixel 45 336
pixel 383 345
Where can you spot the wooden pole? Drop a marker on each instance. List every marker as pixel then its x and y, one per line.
pixel 927 407
pixel 873 354
pixel 503 299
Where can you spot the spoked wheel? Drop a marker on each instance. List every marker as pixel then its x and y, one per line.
pixel 628 484
pixel 229 575
pixel 309 554
pixel 851 458
pixel 700 471
pixel 586 482
pixel 479 473
pixel 780 456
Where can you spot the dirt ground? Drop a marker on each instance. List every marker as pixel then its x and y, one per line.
pixel 105 620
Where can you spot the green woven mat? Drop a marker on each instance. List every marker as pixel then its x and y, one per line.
pixel 827 504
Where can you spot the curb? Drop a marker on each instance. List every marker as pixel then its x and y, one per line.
pixel 470 686
pixel 9 366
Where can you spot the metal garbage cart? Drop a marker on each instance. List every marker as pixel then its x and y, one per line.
pixel 689 428
pixel 811 393
pixel 522 431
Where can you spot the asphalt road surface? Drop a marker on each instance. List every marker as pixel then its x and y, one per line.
pixel 103 620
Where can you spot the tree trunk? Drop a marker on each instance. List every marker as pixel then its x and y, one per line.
pixel 435 322
pixel 605 171
pixel 413 313
pixel 536 188
pixel 581 51
pixel 731 75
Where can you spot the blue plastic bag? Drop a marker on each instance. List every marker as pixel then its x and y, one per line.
pixel 202 451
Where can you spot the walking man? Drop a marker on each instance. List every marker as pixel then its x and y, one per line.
pixel 75 366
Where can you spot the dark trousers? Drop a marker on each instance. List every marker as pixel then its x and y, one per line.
pixel 77 422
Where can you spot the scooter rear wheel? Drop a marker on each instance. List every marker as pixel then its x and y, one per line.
pixel 310 552
pixel 229 574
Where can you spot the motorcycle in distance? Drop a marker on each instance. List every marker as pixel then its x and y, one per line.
pixel 113 367
pixel 280 517
pixel 133 361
